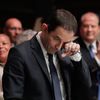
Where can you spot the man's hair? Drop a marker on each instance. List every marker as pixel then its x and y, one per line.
pixel 61 18
pixel 90 14
pixel 25 35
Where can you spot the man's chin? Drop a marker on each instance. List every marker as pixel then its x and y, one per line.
pixel 51 52
pixel 90 39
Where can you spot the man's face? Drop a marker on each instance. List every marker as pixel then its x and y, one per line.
pixel 55 39
pixel 90 28
pixel 5 45
pixel 14 29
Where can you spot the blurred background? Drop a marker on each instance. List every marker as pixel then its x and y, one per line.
pixel 28 10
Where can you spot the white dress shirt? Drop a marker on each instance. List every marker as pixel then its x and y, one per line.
pixel 55 60
pixel 75 57
pixel 94 50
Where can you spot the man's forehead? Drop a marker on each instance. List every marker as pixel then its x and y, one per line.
pixel 66 36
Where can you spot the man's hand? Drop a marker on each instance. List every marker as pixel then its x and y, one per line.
pixel 98 50
pixel 70 49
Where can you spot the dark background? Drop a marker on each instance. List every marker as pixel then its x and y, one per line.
pixel 28 10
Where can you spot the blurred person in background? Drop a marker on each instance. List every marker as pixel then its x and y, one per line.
pixel 25 35
pixel 90 48
pixel 37 24
pixel 13 27
pixel 5 45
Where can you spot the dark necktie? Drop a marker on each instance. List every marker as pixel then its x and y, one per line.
pixel 91 51
pixel 54 78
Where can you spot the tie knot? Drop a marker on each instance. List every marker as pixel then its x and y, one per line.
pixel 90 46
pixel 50 56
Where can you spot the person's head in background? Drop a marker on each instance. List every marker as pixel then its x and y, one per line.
pixel 26 35
pixel 90 27
pixel 5 45
pixel 57 28
pixel 37 24
pixel 13 27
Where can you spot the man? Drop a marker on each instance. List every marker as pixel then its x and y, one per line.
pixel 13 27
pixel 30 73
pixel 24 36
pixel 5 45
pixel 89 31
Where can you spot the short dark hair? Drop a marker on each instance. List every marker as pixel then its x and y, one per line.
pixel 61 18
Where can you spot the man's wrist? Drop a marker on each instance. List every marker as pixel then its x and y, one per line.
pixel 97 60
pixel 76 57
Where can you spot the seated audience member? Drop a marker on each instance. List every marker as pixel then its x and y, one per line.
pixel 25 35
pixel 13 27
pixel 37 24
pixel 5 45
pixel 90 48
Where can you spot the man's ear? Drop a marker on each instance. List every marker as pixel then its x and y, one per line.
pixel 44 27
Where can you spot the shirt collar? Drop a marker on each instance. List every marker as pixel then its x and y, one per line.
pixel 42 47
pixel 94 45
pixel 40 42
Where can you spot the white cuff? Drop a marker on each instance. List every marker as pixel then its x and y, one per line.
pixel 76 57
pixel 97 60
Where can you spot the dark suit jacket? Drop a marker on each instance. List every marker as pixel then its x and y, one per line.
pixel 26 76
pixel 93 67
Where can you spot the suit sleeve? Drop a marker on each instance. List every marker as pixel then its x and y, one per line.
pixel 13 77
pixel 81 72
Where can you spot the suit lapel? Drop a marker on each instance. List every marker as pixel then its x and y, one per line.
pixel 86 55
pixel 84 50
pixel 37 52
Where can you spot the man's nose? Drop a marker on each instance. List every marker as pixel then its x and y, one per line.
pixel 1 45
pixel 18 31
pixel 89 28
pixel 59 46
